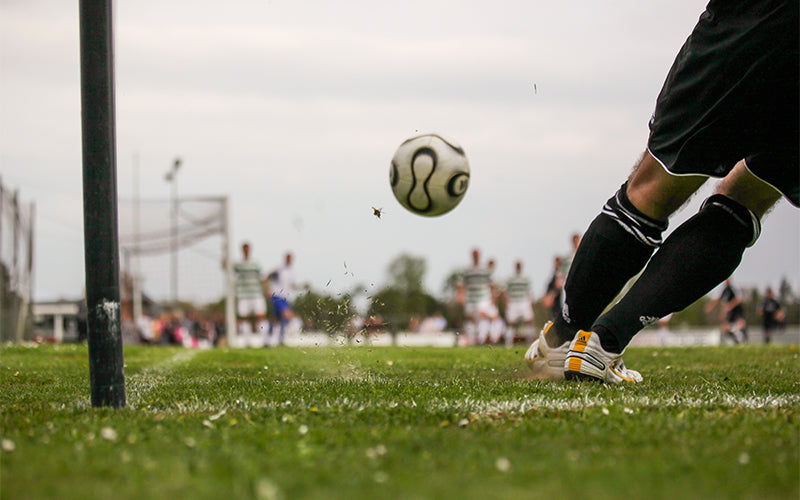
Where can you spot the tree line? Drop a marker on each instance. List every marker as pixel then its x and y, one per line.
pixel 404 298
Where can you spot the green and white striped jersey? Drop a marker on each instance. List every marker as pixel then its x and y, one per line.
pixel 518 288
pixel 477 282
pixel 247 276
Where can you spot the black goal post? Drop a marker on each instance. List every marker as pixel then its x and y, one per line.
pixel 100 231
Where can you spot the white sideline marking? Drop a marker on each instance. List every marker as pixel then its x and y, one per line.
pixel 470 405
pixel 140 384
pixel 528 404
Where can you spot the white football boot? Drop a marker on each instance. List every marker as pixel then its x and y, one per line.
pixel 544 361
pixel 587 360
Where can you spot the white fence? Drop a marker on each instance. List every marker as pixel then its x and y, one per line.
pixel 16 265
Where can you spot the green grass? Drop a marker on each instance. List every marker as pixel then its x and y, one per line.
pixel 360 422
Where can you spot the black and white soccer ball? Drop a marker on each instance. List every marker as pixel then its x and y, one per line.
pixel 429 174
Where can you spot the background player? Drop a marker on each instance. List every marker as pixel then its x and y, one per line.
pixel 497 325
pixel 477 293
pixel 282 289
pixel 733 324
pixel 519 309
pixel 251 307
pixel 772 315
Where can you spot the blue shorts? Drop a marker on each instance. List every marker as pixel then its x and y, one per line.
pixel 279 305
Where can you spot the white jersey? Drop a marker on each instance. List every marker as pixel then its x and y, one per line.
pixel 283 284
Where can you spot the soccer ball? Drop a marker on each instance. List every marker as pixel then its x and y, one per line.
pixel 429 174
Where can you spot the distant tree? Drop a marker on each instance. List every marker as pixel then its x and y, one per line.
pixel 785 293
pixel 451 282
pixel 396 307
pixel 305 307
pixel 694 315
pixel 407 272
pixel 405 297
pixel 453 311
pixel 790 302
pixel 752 298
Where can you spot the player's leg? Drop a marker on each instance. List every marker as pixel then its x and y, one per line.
pixel 741 326
pixel 470 331
pixel 496 325
pixel 483 322
pixel 729 332
pixel 525 329
pixel 695 258
pixel 262 330
pixel 261 325
pixel 725 331
pixel 731 93
pixel 286 315
pixel 510 333
pixel 470 323
pixel 244 326
pixel 484 327
pixel 512 320
pixel 500 329
pixel 618 243
pixel 278 324
pixel 243 313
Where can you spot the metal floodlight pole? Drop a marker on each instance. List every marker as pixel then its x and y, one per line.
pixel 100 204
pixel 137 268
pixel 172 177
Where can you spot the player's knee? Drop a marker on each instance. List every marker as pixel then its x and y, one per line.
pixel 645 229
pixel 656 192
pixel 745 188
pixel 739 215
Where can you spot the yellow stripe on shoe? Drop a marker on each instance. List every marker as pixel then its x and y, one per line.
pixel 613 368
pixel 582 341
pixel 586 361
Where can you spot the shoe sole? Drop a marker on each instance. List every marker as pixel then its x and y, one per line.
pixel 576 368
pixel 581 377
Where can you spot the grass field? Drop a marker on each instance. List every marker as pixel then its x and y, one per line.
pixel 399 422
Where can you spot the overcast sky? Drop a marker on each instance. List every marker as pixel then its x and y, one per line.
pixel 294 108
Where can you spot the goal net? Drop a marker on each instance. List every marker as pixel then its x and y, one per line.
pixel 175 251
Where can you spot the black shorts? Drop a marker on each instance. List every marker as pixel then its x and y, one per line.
pixel 732 94
pixel 735 314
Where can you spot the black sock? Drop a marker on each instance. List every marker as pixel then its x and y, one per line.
pixel 696 257
pixel 616 246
